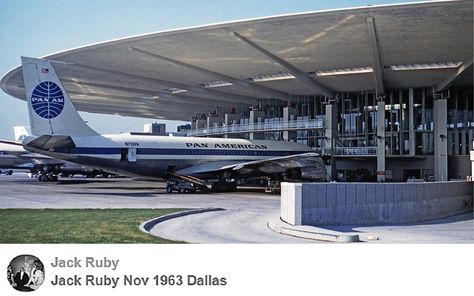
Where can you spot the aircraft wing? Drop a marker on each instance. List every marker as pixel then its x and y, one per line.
pixel 12 148
pixel 27 165
pixel 208 167
pixel 307 166
pixel 16 149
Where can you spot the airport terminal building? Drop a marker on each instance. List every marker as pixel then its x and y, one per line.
pixel 384 93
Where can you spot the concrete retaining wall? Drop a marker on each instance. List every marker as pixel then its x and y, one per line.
pixel 372 203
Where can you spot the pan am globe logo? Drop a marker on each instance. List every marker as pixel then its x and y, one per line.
pixel 47 100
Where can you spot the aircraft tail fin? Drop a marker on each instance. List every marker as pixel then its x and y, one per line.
pixel 49 106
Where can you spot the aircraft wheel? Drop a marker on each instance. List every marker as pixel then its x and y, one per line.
pixel 169 189
pixel 43 178
pixel 9 172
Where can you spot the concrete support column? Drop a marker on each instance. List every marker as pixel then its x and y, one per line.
pixel 440 139
pixel 330 125
pixel 330 132
pixel 255 118
pixel 228 121
pixel 380 141
pixel 411 124
pixel 471 153
pixel 288 115
pixel 424 136
pixel 199 123
pixel 211 120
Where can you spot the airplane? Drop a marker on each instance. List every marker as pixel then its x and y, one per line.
pixel 14 156
pixel 63 134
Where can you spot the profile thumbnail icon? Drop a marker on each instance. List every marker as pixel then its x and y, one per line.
pixel 25 273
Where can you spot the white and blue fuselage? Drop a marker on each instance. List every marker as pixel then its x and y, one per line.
pixel 154 156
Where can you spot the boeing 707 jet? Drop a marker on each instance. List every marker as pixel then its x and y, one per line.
pixel 61 133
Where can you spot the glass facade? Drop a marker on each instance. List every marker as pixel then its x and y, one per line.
pixel 357 121
pixel 409 125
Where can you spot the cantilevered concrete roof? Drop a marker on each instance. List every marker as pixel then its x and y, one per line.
pixel 175 74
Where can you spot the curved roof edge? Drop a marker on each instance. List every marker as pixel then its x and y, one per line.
pixel 223 24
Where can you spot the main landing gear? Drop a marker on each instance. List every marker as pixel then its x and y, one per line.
pixel 48 178
pixel 224 186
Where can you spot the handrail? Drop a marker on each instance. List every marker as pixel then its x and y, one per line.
pixel 355 151
pixel 260 127
pixel 349 151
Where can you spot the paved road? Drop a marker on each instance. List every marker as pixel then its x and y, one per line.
pixel 243 219
pixel 246 212
pixel 18 191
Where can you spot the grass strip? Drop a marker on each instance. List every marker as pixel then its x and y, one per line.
pixel 77 226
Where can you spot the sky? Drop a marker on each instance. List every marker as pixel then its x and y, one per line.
pixel 38 28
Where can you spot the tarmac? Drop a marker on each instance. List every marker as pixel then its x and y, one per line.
pixel 246 216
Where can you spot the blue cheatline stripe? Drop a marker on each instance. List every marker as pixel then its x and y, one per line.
pixel 89 150
pixel 167 151
pixel 160 151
